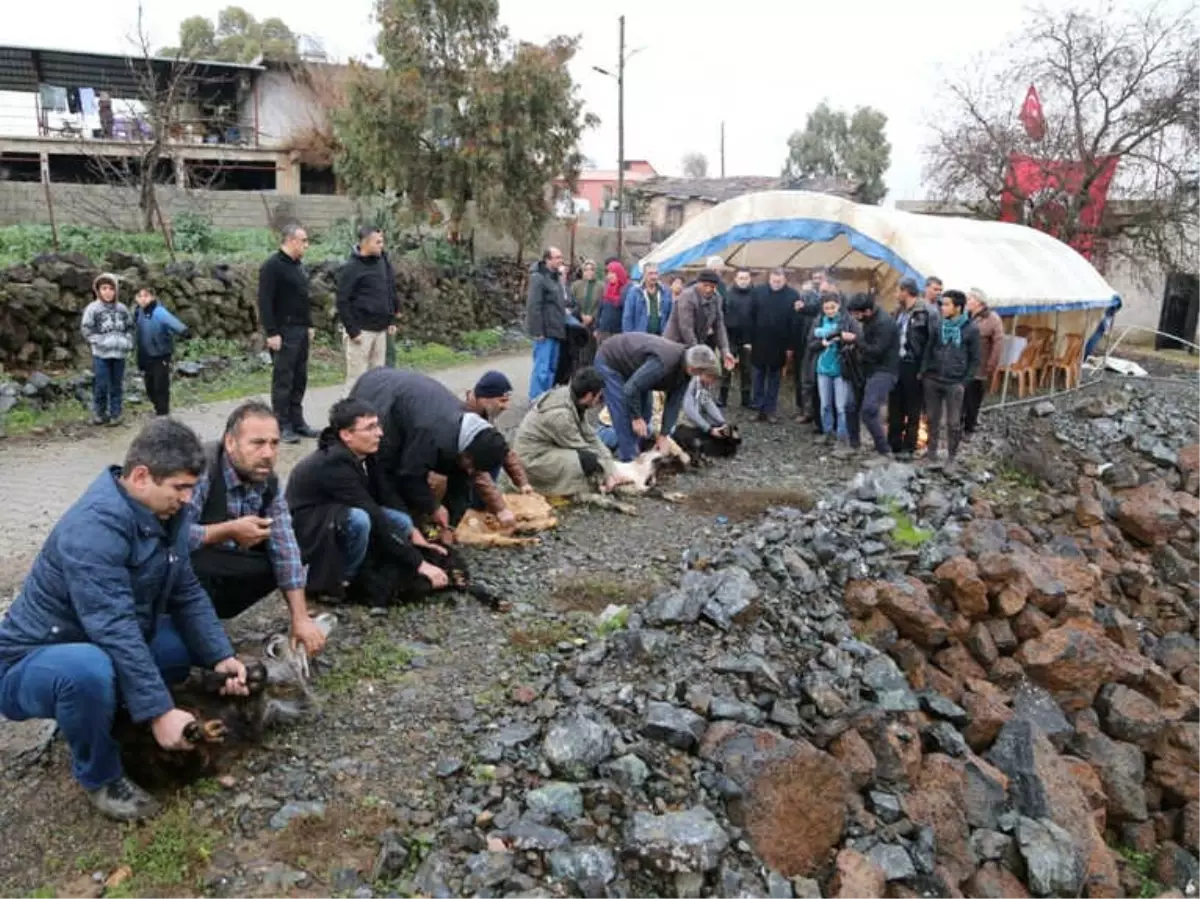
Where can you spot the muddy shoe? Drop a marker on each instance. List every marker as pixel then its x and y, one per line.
pixel 97 419
pixel 123 800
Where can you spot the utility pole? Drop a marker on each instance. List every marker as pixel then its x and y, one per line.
pixel 722 148
pixel 621 137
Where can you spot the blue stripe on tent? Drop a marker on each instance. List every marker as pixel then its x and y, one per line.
pixel 1065 306
pixel 815 230
pixel 823 231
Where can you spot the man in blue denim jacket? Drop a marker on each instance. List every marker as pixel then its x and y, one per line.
pixel 112 612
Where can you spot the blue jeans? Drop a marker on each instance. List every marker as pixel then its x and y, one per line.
pixel 622 424
pixel 835 400
pixel 765 395
pixel 874 395
pixel 545 364
pixel 356 538
pixel 108 387
pixel 74 683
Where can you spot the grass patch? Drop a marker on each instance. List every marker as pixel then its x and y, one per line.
pixel 595 592
pixel 377 659
pixel 165 855
pixel 344 837
pixel 906 533
pixel 743 505
pixel 424 356
pixel 1016 477
pixel 1142 864
pixel 485 341
pixel 539 637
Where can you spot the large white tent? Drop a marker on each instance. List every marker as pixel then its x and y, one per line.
pixel 1022 270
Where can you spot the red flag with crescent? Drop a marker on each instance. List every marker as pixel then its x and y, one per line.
pixel 1031 115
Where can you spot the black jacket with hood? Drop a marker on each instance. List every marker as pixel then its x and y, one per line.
pixel 880 344
pixel 321 490
pixel 366 293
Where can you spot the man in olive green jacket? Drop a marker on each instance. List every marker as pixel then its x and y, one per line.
pixel 558 446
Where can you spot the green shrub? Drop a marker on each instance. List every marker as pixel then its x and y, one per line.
pixel 192 233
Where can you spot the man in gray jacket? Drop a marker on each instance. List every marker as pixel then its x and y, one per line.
pixel 697 318
pixel 546 320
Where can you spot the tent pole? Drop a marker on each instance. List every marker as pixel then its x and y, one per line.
pixel 1004 386
pixel 1053 355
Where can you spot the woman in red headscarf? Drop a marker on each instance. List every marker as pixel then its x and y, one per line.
pixel 608 318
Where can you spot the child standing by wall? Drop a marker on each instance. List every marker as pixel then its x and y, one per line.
pixel 156 330
pixel 107 326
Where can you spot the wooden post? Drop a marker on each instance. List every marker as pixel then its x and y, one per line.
pixel 44 162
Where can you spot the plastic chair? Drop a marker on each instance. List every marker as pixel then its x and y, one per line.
pixel 1024 368
pixel 1070 363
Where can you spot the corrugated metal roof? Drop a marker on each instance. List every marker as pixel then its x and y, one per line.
pixel 23 68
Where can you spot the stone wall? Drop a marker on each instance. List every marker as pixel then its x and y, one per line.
pixel 104 206
pixel 41 303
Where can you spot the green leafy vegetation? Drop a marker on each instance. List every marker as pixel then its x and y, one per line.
pixel 378 659
pixel 166 854
pixel 1142 863
pixel 906 533
pixel 195 238
pixel 425 356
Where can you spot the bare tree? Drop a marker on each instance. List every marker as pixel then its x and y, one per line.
pixel 695 165
pixel 1115 86
pixel 140 158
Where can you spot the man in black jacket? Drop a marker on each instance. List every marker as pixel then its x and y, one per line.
pixel 904 405
pixel 367 303
pixel 426 431
pixel 286 318
pixel 879 352
pixel 546 320
pixel 336 499
pixel 738 302
pixel 950 364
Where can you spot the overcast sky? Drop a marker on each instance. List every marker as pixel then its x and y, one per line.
pixel 759 65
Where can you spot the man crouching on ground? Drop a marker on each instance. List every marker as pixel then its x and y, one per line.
pixel 243 545
pixel 111 612
pixel 336 499
pixel 561 452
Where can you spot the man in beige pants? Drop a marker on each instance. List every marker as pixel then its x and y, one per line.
pixel 366 303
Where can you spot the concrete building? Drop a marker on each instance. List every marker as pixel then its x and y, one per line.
pixel 71 117
pixel 595 194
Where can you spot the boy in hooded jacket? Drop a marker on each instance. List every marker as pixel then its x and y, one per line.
pixel 156 331
pixel 107 326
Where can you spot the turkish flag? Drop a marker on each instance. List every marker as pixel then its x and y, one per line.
pixel 1038 192
pixel 1031 115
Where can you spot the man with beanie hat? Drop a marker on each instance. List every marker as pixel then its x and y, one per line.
pixel 699 319
pixel 427 432
pixel 489 399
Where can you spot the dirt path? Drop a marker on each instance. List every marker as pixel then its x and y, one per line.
pixel 39 479
pixel 419 691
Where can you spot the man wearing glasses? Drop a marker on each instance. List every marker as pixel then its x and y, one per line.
pixel 335 497
pixel 285 314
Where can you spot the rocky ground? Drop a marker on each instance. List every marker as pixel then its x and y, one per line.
pixel 815 676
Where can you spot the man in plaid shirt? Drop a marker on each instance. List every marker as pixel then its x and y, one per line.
pixel 241 537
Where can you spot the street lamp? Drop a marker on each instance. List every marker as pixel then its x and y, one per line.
pixel 622 58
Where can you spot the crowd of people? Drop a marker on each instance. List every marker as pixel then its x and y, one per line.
pixel 849 360
pixel 134 582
